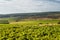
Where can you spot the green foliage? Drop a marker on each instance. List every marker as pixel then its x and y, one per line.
pixel 24 32
pixel 4 22
pixel 59 22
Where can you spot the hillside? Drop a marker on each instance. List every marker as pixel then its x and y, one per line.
pixel 53 15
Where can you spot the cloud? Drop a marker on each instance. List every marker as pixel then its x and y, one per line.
pixel 19 6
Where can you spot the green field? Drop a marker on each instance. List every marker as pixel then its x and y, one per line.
pixel 31 30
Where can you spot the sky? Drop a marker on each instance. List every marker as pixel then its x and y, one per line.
pixel 26 6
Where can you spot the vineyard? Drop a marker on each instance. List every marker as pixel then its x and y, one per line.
pixel 29 31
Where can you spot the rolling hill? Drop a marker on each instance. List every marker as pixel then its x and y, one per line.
pixel 53 15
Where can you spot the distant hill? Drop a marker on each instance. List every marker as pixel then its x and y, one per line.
pixel 53 15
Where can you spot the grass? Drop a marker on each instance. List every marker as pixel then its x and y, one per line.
pixel 36 22
pixel 30 30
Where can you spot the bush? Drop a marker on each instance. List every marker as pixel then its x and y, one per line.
pixel 58 22
pixel 4 22
pixel 40 23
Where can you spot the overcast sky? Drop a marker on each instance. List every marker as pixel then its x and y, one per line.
pixel 23 6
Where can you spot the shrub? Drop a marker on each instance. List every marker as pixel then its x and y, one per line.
pixel 4 22
pixel 58 22
pixel 40 23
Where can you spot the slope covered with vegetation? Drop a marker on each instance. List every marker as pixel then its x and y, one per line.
pixel 30 26
pixel 37 14
pixel 29 32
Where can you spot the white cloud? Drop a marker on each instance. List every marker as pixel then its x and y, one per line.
pixel 18 6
